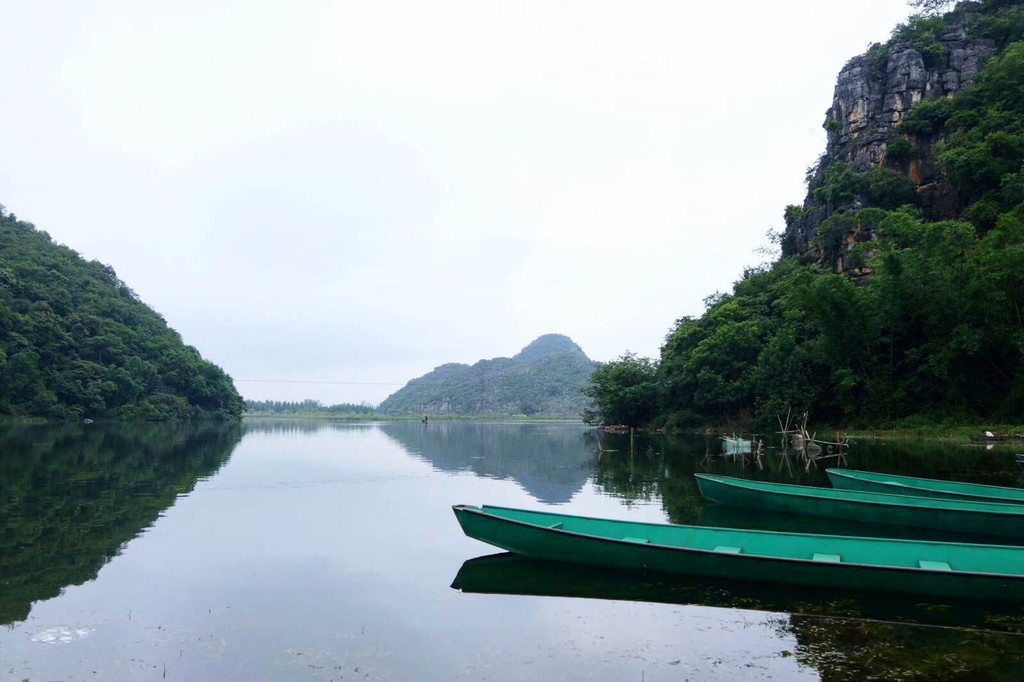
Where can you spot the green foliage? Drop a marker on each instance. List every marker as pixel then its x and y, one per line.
pixel 928 7
pixel 927 117
pixel 901 149
pixel 983 151
pixel 919 29
pixel 792 214
pixel 624 391
pixel 840 185
pixel 937 330
pixel 76 342
pixel 889 189
pixel 922 32
pixel 308 408
pixel 1002 22
pixel 831 233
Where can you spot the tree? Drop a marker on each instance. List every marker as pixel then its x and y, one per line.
pixel 624 391
pixel 929 6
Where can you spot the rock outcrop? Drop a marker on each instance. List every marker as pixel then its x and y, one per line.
pixel 873 93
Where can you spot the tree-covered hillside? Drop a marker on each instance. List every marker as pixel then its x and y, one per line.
pixel 308 408
pixel 75 341
pixel 544 379
pixel 900 291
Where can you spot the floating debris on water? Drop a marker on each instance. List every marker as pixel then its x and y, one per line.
pixel 60 634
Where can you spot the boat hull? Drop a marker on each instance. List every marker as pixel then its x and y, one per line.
pixel 976 518
pixel 534 539
pixel 845 479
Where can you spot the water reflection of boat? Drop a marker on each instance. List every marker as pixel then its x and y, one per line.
pixel 948 569
pixel 736 446
pixel 513 574
pixel 847 479
pixel 964 516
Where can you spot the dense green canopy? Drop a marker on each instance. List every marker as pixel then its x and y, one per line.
pixel 937 329
pixel 76 342
pixel 308 408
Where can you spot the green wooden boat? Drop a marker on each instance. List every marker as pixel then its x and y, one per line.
pixel 846 479
pixel 951 570
pixel 961 516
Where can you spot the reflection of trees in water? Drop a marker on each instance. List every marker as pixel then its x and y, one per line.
pixel 657 467
pixel 71 496
pixel 851 649
pixel 551 461
pixel 293 426
pixel 662 466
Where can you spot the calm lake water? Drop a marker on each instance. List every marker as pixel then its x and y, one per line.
pixel 282 550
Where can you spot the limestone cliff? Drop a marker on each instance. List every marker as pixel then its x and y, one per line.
pixel 927 59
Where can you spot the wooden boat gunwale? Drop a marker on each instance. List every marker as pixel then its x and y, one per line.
pixel 1010 510
pixel 896 482
pixel 980 521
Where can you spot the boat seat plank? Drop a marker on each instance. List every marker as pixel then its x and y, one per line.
pixel 641 540
pixel 726 549
pixel 934 565
pixel 831 558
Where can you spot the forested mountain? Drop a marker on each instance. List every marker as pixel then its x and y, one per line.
pixel 544 379
pixel 900 289
pixel 75 341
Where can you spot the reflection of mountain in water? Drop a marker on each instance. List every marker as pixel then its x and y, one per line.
pixel 71 496
pixel 552 462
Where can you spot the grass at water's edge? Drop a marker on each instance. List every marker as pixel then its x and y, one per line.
pixel 938 432
pixel 916 432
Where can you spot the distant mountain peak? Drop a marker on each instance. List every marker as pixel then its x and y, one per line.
pixel 544 378
pixel 549 344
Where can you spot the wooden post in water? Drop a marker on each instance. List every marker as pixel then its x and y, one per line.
pixel 631 454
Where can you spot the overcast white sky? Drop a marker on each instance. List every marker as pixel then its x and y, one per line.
pixel 361 191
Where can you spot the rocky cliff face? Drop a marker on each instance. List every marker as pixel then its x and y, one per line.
pixel 873 93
